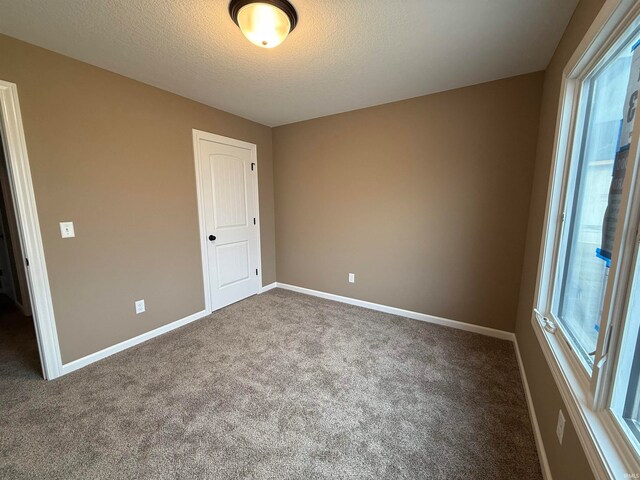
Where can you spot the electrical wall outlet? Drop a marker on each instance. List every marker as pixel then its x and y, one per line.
pixel 66 230
pixel 139 307
pixel 560 426
pixel 352 278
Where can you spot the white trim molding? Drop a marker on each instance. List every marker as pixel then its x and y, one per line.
pixel 132 342
pixel 94 357
pixel 29 230
pixel 266 288
pixel 607 453
pixel 542 453
pixel 423 317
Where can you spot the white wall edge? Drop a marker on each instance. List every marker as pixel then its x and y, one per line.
pixel 542 453
pixel 266 288
pixel 490 332
pixel 132 342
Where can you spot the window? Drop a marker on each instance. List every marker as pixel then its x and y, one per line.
pixel 587 314
pixel 583 265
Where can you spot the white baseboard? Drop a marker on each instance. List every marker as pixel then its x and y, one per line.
pixel 266 288
pixel 542 454
pixel 491 332
pixel 94 357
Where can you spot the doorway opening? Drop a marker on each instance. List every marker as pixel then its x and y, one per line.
pixel 18 342
pixel 24 284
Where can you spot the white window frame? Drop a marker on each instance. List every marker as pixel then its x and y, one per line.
pixel 609 451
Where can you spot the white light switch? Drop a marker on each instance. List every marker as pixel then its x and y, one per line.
pixel 139 307
pixel 352 278
pixel 66 230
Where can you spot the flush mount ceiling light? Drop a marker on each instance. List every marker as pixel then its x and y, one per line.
pixel 265 23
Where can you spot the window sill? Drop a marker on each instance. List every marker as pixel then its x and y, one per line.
pixel 607 451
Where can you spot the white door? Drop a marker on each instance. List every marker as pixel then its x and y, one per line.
pixel 228 176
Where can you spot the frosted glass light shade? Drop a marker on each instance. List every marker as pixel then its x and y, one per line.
pixel 264 25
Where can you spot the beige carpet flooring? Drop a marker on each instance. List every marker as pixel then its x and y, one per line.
pixel 280 385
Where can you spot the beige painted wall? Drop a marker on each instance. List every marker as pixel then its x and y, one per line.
pixel 567 461
pixel 425 200
pixel 115 156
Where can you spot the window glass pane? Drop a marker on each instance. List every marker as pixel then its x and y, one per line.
pixel 583 267
pixel 626 400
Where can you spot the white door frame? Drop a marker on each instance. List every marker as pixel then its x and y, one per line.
pixel 15 148
pixel 253 148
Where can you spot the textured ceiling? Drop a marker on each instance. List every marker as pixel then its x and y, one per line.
pixel 343 55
